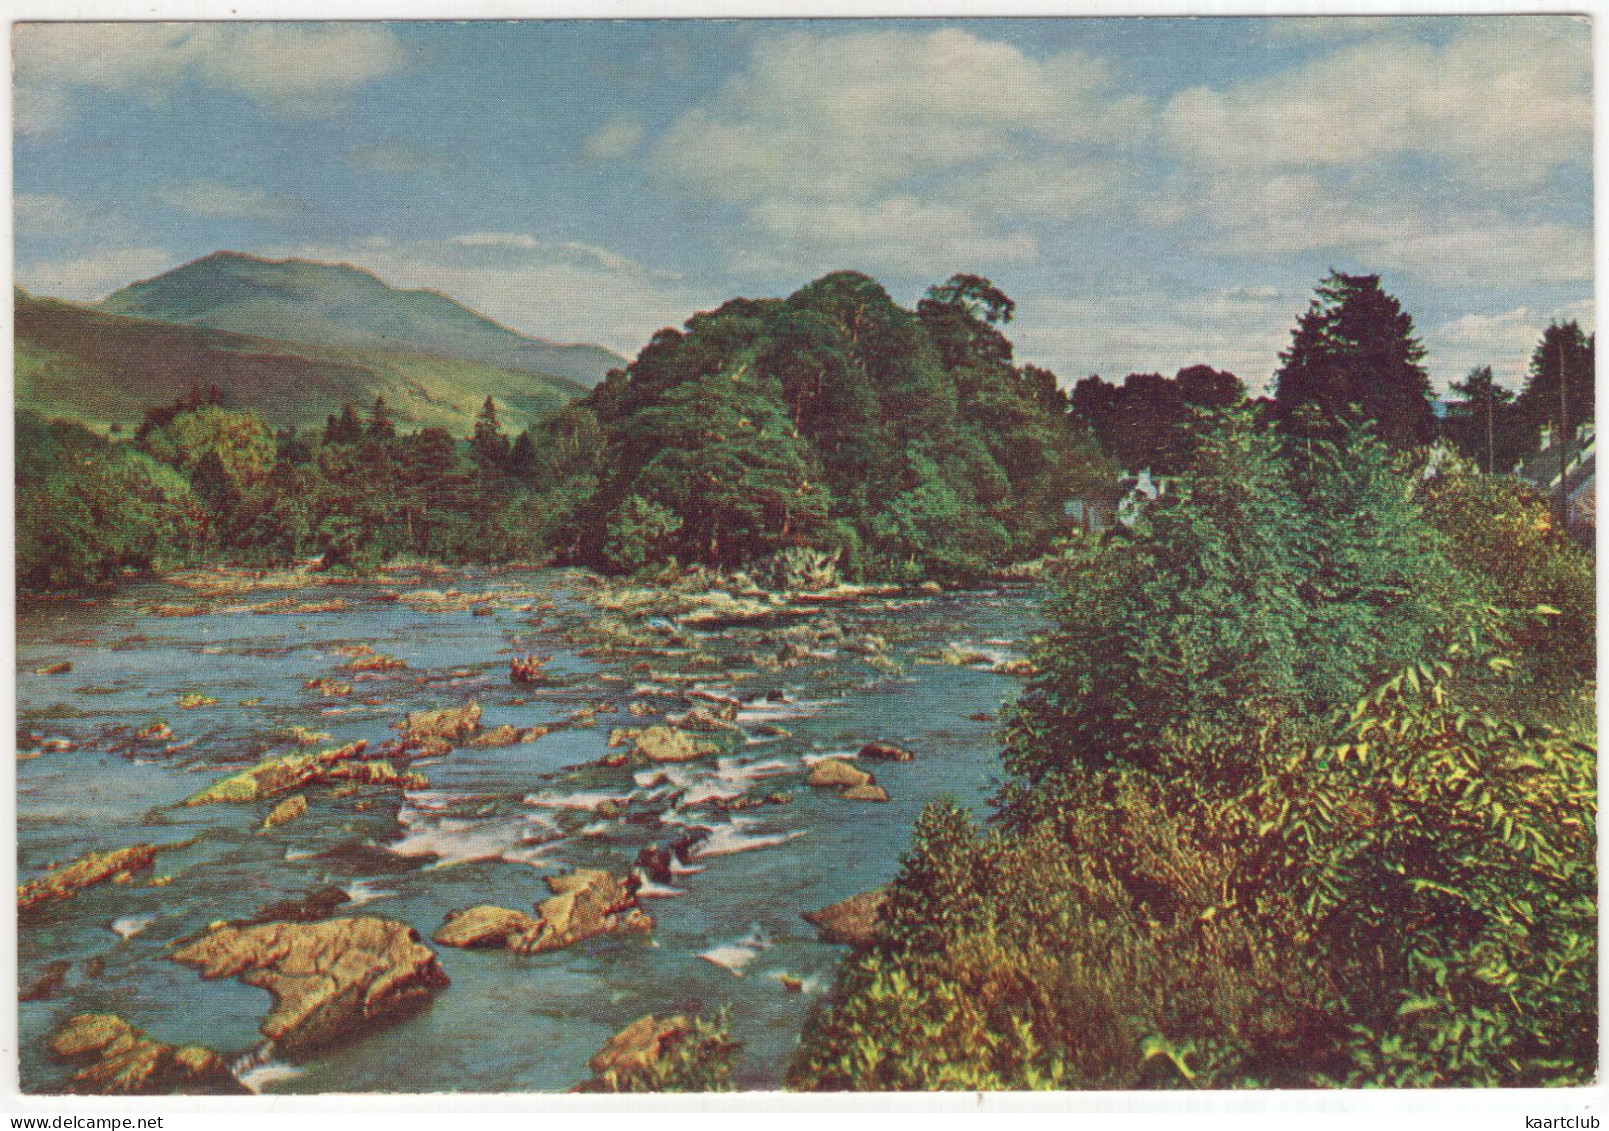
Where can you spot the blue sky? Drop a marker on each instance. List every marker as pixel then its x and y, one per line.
pixel 1154 193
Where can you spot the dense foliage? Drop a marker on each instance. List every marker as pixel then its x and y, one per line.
pixel 907 443
pixel 1354 353
pixel 1560 382
pixel 1303 795
pixel 204 481
pixel 1483 424
pixel 1140 423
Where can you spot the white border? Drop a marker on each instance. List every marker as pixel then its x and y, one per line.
pixel 1475 1110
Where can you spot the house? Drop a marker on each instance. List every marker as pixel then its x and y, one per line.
pixel 1101 507
pixel 1542 467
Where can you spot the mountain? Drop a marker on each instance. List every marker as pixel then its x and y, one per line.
pixel 329 304
pixel 103 369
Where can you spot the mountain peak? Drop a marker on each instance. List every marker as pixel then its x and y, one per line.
pixel 343 305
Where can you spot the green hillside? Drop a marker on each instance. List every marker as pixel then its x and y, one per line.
pixel 103 369
pixel 338 305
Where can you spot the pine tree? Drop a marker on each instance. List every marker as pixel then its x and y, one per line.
pixel 1354 353
pixel 1563 353
pixel 347 428
pixel 1483 423
pixel 381 426
pixel 489 445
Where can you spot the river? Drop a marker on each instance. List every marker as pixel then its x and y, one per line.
pixel 494 820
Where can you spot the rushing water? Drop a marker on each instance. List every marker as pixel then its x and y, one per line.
pixel 492 823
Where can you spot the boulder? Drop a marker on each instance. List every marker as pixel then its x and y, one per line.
pixel 585 903
pixel 449 723
pixel 629 1057
pixel 320 903
pixel 94 868
pixel 835 773
pixel 706 719
pixel 299 771
pixel 48 983
pixel 286 811
pixel 852 921
pixel 663 743
pixel 60 668
pixel 154 732
pixel 483 926
pixel 504 735
pixel 886 752
pixel 526 669
pixel 330 980
pixel 329 688
pixel 301 736
pixel 123 1061
pixel 864 793
pixel 193 699
pixel 376 662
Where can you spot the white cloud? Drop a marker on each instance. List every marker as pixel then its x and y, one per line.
pixel 214 200
pixel 95 274
pixel 1116 335
pixel 557 290
pixel 616 140
pixel 398 157
pixel 848 116
pixel 920 151
pixel 294 69
pixel 1502 103
pixel 46 214
pixel 899 233
pixel 1374 226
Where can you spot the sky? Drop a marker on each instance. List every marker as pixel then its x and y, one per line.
pixel 1153 193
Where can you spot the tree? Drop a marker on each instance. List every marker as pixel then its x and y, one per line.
pixel 977 296
pixel 522 459
pixel 1483 423
pixel 347 428
pixel 1159 628
pixel 1142 423
pixel 381 426
pixel 1354 351
pixel 241 443
pixel 489 445
pixel 1560 384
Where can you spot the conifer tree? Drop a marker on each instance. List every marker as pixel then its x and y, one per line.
pixel 1354 353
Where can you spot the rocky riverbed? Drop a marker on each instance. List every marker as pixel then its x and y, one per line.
pixel 434 831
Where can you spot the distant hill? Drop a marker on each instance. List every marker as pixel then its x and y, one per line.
pixel 83 364
pixel 296 300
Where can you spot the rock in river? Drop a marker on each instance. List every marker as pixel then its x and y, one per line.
pixel 852 921
pixel 886 752
pixel 835 773
pixel 320 903
pixel 864 793
pixel 663 743
pixel 123 1061
pixel 297 771
pixel 483 926
pixel 449 723
pixel 287 810
pixel 627 1062
pixel 330 980
pixel 52 978
pixel 96 867
pixel 586 902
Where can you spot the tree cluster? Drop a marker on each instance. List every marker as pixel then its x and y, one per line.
pixel 906 443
